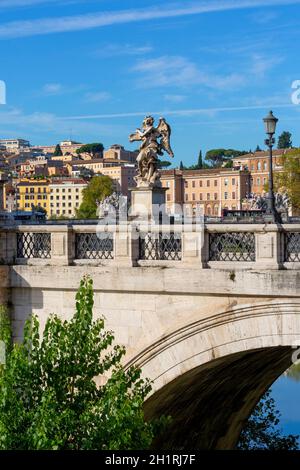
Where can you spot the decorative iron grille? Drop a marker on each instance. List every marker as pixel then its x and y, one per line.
pixel 232 246
pixel 292 247
pixel 94 245
pixel 160 246
pixel 33 245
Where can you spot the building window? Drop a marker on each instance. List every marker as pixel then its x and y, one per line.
pixel 258 181
pixel 186 184
pixel 252 167
pixel 265 166
pixel 233 181
pixel 216 196
pixel 258 166
pixel 201 196
pixel 208 183
pixel 200 183
pixel 265 181
pixel 226 182
pixel 193 197
pixel 233 195
pixel 208 196
pixel 225 195
pixel 216 182
pixel 186 197
pixel 168 197
pixel 193 184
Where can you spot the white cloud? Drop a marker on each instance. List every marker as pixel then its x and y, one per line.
pixel 179 71
pixel 113 50
pixel 179 112
pixel 96 20
pixel 97 97
pixel 52 89
pixel 24 3
pixel 174 98
pixel 262 64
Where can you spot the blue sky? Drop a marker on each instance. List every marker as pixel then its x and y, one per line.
pixel 92 69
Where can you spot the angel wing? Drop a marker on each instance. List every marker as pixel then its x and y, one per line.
pixel 165 130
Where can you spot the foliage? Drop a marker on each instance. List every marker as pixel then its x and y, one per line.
pixel 198 166
pixel 38 209
pixel 92 149
pixel 294 372
pixel 86 173
pixel 164 164
pixel 258 149
pixel 229 164
pixel 98 188
pixel 57 151
pixel 288 180
pixel 262 430
pixel 5 337
pixel 218 156
pixel 49 396
pixel 285 140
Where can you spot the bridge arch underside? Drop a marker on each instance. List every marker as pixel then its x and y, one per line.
pixel 210 375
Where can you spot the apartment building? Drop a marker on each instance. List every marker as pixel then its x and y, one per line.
pixel 66 196
pixel 211 190
pixel 122 173
pixel 14 144
pixel 257 163
pixel 31 193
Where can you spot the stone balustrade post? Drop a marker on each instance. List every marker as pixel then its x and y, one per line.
pixel 8 246
pixel 62 245
pixel 194 246
pixel 269 247
pixel 126 245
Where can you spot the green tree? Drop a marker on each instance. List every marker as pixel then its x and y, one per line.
pixel 258 149
pixel 294 372
pixel 49 398
pixel 164 163
pixel 262 431
pixel 92 149
pixel 216 157
pixel 200 161
pixel 285 140
pixel 288 180
pixel 98 188
pixel 181 167
pixel 57 151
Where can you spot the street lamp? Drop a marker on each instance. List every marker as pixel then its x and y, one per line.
pixel 270 125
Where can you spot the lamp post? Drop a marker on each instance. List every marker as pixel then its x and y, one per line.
pixel 270 125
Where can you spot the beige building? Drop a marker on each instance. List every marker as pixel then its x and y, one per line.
pixel 66 196
pixel 211 190
pixel 121 173
pixel 117 152
pixel 258 165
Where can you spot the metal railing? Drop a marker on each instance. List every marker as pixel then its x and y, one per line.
pixel 33 245
pixel 94 246
pixel 232 246
pixel 292 247
pixel 160 246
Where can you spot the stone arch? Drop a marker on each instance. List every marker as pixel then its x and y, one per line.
pixel 210 374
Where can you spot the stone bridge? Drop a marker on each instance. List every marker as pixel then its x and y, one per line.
pixel 210 313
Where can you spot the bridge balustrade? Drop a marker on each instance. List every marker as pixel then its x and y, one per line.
pixel 211 246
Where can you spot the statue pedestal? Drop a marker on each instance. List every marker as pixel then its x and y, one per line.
pixel 148 203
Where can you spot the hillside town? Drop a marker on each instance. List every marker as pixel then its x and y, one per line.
pixel 52 178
